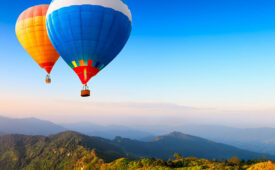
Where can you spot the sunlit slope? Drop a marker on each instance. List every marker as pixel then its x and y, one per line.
pixel 263 166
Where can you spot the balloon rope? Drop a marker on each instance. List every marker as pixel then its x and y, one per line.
pixel 85 87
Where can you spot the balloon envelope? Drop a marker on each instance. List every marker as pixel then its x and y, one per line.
pixel 32 34
pixel 88 34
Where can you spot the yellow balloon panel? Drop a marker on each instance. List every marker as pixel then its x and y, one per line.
pixel 32 34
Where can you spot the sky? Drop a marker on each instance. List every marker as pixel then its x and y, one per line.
pixel 187 61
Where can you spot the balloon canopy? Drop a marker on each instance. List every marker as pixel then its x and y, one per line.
pixel 88 34
pixel 32 34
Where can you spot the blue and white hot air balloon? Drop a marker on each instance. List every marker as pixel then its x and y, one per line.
pixel 88 34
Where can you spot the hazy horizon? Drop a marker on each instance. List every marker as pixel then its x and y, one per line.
pixel 136 114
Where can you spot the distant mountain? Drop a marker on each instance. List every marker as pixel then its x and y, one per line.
pixel 164 146
pixel 148 138
pixel 28 126
pixel 230 133
pixel 254 139
pixel 71 149
pixel 109 132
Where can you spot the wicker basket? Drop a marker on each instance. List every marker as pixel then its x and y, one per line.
pixel 85 93
pixel 48 80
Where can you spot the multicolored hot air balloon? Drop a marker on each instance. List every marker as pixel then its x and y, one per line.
pixel 88 34
pixel 32 34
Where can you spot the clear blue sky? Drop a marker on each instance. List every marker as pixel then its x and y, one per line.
pixel 200 53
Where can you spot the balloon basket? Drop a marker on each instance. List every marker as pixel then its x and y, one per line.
pixel 48 79
pixel 85 92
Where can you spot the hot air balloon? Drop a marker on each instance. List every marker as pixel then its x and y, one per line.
pixel 88 34
pixel 32 34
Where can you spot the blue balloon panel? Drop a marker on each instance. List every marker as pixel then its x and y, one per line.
pixel 88 33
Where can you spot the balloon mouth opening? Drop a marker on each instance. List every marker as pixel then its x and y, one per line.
pixel 48 79
pixel 48 69
pixel 47 66
pixel 85 73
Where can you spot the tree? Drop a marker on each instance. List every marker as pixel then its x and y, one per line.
pixel 139 164
pixel 222 160
pixel 242 161
pixel 169 162
pixel 177 156
pixel 158 162
pixel 234 160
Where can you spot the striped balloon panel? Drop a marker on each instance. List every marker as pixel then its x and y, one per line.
pixel 32 34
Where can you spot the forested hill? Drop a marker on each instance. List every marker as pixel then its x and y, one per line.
pixel 68 149
pixel 22 149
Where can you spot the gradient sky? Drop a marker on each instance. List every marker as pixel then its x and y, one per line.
pixel 214 57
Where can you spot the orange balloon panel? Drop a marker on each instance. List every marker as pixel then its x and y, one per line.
pixel 32 34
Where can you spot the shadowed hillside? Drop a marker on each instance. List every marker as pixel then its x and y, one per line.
pixel 164 146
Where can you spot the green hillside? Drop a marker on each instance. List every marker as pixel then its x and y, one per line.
pixel 60 151
pixel 70 150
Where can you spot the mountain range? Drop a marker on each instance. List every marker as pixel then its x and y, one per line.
pixel 109 132
pixel 261 140
pixel 166 145
pixel 254 139
pixel 68 149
